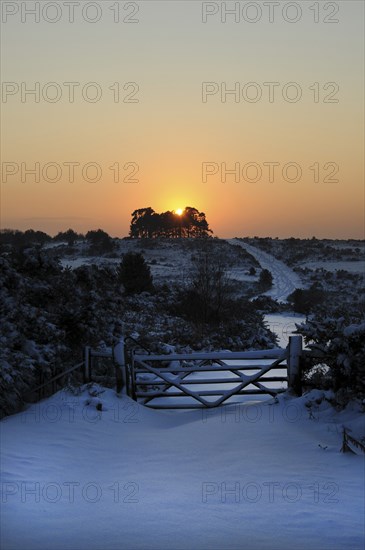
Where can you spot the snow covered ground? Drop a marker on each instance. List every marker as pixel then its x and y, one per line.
pixel 74 263
pixel 240 274
pixel 283 325
pixel 169 260
pixel 285 281
pixel 261 476
pixel 352 267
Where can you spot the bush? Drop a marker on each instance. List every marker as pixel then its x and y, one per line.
pixel 304 300
pixel 70 236
pixel 135 274
pixel 48 315
pixel 341 341
pixel 207 298
pixel 265 281
pixel 100 242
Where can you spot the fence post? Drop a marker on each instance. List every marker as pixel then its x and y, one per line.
pixel 294 364
pixel 132 390
pixel 87 365
pixel 120 366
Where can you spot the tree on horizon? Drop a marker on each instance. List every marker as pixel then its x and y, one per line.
pixel 146 223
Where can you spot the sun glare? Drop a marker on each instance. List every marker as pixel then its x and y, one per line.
pixel 179 211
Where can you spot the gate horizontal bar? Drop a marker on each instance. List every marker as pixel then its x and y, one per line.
pixel 211 381
pixel 204 393
pixel 212 368
pixel 257 354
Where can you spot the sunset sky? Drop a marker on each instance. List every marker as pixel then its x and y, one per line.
pixel 168 134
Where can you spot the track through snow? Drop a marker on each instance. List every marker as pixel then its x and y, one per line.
pixel 285 281
pixel 261 476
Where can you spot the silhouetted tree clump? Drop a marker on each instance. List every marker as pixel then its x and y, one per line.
pixel 19 239
pixel 100 241
pixel 70 236
pixel 146 223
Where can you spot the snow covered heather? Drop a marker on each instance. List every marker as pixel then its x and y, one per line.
pixel 260 475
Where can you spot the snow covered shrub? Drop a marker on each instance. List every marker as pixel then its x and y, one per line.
pixel 48 314
pixel 30 342
pixel 318 376
pixel 341 341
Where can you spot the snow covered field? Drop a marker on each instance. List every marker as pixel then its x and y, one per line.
pixel 261 475
pixel 168 260
pixel 352 267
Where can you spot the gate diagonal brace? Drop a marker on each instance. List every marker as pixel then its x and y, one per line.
pixel 176 384
pixel 167 386
pixel 245 381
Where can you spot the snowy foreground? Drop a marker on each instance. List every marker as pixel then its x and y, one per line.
pixel 260 475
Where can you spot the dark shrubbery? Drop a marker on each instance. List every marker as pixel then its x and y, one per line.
pixel 100 242
pixel 135 274
pixel 48 315
pixel 18 239
pixel 207 298
pixel 265 281
pixel 70 236
pixel 305 300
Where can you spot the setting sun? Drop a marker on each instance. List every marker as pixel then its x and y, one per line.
pixel 179 211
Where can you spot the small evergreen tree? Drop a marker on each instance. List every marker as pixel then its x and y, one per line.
pixel 265 281
pixel 135 274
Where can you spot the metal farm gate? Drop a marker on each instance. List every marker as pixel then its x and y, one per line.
pixel 196 380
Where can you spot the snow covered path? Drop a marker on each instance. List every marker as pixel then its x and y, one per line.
pixel 252 476
pixel 285 281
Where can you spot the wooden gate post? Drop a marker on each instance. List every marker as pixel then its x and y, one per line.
pixel 295 349
pixel 120 366
pixel 87 365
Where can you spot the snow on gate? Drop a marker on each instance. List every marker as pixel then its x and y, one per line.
pixel 195 380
